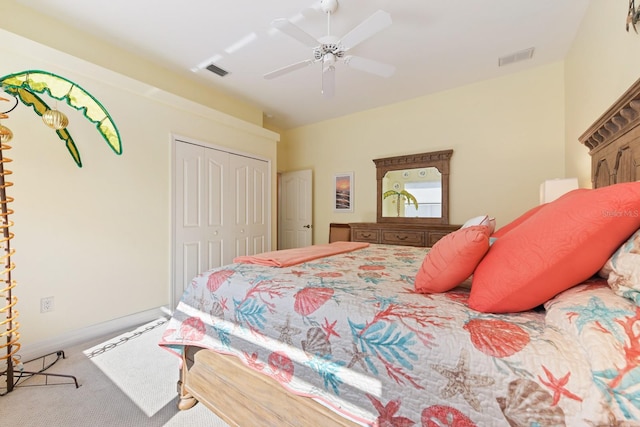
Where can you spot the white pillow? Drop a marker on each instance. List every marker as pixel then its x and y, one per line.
pixel 481 220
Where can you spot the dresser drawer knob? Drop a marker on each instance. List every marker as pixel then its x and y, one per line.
pixel 399 237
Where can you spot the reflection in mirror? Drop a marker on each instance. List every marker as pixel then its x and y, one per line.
pixel 414 188
pixel 412 193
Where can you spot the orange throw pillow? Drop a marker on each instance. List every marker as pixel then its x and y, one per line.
pixel 564 243
pixel 452 259
pixel 525 216
pixel 516 222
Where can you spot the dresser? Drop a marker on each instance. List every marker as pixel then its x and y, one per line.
pixel 400 234
pixel 404 182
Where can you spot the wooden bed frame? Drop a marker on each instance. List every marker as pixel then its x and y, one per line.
pixel 613 141
pixel 240 396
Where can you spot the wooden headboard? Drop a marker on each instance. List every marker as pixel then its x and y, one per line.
pixel 614 141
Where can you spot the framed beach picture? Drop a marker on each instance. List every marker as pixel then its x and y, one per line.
pixel 343 192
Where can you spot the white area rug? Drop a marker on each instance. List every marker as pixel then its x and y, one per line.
pixel 133 361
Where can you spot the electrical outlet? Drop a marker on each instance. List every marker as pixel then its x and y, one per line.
pixel 46 304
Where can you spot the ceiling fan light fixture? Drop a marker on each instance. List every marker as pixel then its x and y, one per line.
pixel 329 60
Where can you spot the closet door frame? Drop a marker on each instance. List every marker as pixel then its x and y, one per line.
pixel 175 293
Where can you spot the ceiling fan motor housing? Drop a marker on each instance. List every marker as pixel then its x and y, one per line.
pixel 324 49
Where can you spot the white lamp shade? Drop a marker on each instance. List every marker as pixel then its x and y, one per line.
pixel 551 189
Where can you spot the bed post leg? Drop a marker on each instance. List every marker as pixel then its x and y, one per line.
pixel 187 401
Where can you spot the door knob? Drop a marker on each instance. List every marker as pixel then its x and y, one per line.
pixel 307 226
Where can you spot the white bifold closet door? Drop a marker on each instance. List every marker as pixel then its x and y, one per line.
pixel 221 210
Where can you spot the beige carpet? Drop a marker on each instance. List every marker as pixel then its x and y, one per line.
pixel 124 381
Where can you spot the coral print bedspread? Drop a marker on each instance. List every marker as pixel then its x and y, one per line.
pixel 349 330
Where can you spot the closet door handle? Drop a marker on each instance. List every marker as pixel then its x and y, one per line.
pixel 307 226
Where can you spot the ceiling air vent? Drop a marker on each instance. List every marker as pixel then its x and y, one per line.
pixel 217 70
pixel 515 57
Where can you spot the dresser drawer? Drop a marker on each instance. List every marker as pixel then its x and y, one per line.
pixel 434 236
pixel 401 237
pixel 371 236
pixel 400 234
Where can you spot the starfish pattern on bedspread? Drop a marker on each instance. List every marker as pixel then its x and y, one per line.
pixel 358 357
pixel 387 413
pixel 287 332
pixel 460 380
pixel 597 312
pixel 558 386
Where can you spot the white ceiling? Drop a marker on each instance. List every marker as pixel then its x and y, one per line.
pixel 434 45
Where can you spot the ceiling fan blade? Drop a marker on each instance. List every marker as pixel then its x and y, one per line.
pixel 292 30
pixel 328 81
pixel 367 28
pixel 370 66
pixel 289 68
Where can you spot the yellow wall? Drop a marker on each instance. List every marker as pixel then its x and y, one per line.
pixel 603 62
pixel 507 135
pixel 98 238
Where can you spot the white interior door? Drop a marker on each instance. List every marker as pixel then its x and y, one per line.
pixel 221 205
pixel 295 215
pixel 250 196
pixel 198 212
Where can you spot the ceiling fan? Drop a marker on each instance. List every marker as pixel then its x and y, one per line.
pixel 329 50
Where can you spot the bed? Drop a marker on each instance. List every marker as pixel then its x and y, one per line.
pixel 347 340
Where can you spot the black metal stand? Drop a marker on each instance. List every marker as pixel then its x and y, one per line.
pixel 19 376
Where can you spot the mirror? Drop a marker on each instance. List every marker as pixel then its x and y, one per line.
pixel 412 193
pixel 414 189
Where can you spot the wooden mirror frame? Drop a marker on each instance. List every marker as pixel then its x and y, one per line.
pixel 437 159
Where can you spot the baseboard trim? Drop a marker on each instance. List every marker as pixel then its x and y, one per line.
pixel 79 336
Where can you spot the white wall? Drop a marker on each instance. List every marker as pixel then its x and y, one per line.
pixel 98 238
pixel 507 135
